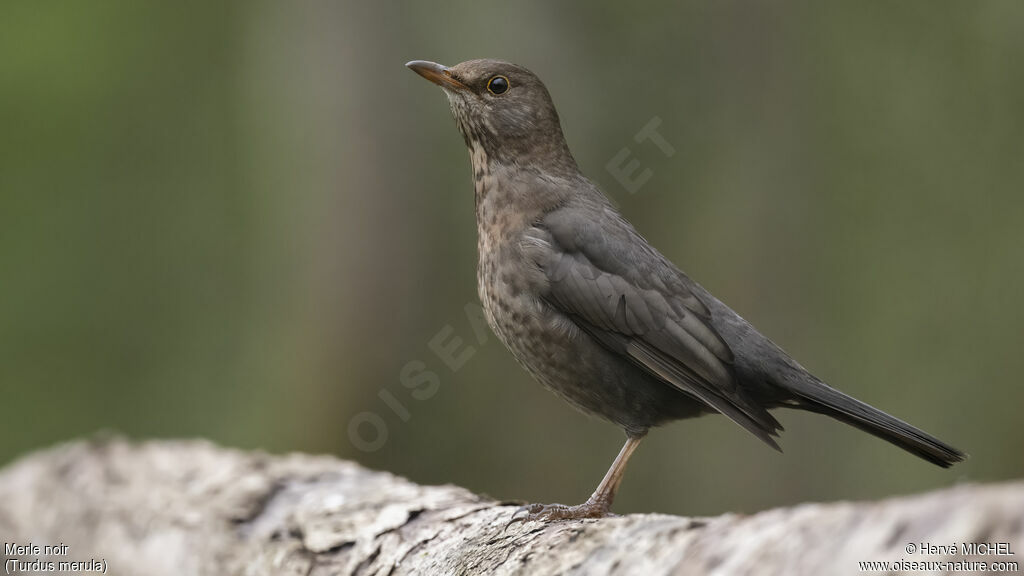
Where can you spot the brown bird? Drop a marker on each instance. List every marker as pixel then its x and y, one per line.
pixel 594 312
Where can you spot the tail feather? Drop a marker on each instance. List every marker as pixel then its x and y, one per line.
pixel 816 396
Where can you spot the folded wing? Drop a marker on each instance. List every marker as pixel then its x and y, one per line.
pixel 625 295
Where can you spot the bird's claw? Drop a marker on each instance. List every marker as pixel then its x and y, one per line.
pixel 554 512
pixel 523 514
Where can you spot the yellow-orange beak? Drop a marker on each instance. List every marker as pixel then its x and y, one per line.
pixel 436 73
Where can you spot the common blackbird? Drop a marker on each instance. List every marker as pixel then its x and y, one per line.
pixel 594 312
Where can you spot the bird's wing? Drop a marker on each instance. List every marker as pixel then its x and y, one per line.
pixel 627 296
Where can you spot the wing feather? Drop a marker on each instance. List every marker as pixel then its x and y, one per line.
pixel 633 301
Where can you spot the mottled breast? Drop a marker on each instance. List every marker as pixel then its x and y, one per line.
pixel 511 286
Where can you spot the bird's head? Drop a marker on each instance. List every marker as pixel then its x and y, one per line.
pixel 504 112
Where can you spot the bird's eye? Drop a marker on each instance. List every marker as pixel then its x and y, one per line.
pixel 497 85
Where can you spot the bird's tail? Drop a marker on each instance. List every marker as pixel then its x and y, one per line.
pixel 816 396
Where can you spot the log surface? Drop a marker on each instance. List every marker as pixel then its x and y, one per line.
pixel 190 507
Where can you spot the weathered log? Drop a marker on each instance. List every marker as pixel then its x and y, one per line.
pixel 189 507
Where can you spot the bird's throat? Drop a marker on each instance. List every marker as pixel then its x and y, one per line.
pixel 483 181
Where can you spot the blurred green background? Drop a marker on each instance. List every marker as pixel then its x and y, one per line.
pixel 241 220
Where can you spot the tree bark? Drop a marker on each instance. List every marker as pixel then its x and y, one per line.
pixel 189 507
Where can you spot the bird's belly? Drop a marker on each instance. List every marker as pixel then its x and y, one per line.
pixel 568 361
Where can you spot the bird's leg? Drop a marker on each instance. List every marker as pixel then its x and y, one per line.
pixel 599 503
pixel 605 492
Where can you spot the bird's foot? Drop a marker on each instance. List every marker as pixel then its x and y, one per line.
pixel 554 512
